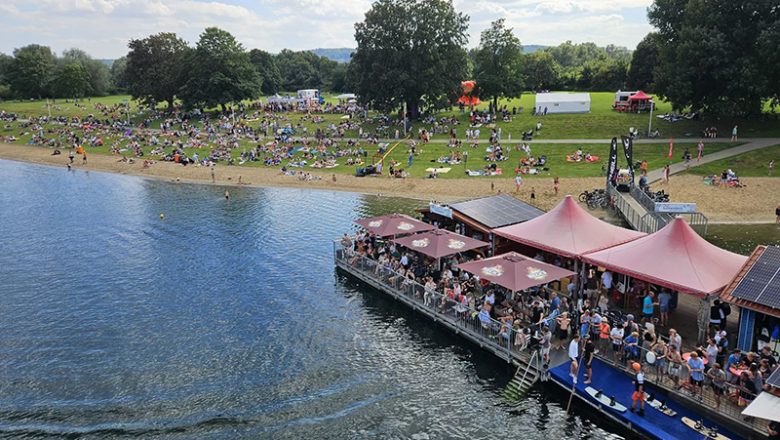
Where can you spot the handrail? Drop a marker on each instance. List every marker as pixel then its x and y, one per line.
pixel 663 377
pixel 510 341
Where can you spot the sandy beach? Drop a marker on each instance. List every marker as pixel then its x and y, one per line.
pixel 753 204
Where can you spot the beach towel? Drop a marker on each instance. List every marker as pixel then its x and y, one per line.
pixel 438 170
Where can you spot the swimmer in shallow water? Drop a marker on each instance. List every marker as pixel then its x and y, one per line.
pixel 227 195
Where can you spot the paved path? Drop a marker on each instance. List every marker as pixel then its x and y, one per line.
pixel 752 144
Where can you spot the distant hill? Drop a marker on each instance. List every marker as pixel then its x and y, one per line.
pixel 531 48
pixel 340 55
pixel 108 63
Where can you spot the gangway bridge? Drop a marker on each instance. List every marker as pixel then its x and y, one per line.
pixel 641 213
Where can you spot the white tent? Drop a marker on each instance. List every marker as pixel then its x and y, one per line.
pixel 562 103
pixel 766 406
pixel 346 96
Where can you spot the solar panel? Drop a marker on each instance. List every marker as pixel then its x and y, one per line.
pixel 497 211
pixel 761 284
pixel 774 379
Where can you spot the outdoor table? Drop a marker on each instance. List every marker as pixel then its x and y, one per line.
pixel 736 372
pixel 687 356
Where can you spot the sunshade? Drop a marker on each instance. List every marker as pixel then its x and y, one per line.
pixel 766 406
pixel 393 224
pixel 675 257
pixel 439 243
pixel 640 96
pixel 568 230
pixel 515 271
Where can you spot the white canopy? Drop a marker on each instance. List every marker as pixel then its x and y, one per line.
pixel 563 102
pixel 766 406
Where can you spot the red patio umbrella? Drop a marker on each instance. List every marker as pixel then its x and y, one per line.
pixel 393 224
pixel 515 271
pixel 439 243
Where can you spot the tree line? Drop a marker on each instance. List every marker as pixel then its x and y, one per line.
pixel 163 68
pixel 720 57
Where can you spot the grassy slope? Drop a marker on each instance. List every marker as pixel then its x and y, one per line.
pixel 751 164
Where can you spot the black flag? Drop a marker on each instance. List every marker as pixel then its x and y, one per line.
pixel 612 167
pixel 628 149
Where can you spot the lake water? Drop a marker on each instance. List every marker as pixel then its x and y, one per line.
pixel 225 320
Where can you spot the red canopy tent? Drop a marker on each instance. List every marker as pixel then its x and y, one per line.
pixel 568 230
pixel 675 257
pixel 393 224
pixel 515 271
pixel 640 96
pixel 440 243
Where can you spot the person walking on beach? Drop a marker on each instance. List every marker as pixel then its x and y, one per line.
pixel 734 134
pixel 555 185
pixel 665 178
pixel 777 214
pixel 213 174
pixel 639 389
pixel 518 182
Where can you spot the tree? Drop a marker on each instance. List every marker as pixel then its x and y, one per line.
pixel 710 54
pixel 541 70
pixel 643 62
pixel 265 64
pixel 154 66
pixel 219 71
pixel 498 62
pixel 408 51
pixel 99 75
pixel 71 81
pixel 299 70
pixel 5 65
pixel 118 75
pixel 31 71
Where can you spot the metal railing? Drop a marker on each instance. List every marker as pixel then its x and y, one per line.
pixel 674 379
pixel 501 337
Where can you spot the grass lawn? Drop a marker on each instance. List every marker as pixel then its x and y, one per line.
pixel 602 122
pixel 750 164
pixel 428 154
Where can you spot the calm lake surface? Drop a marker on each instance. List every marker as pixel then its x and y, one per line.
pixel 225 320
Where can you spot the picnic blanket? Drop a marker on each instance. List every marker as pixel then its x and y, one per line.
pixel 438 170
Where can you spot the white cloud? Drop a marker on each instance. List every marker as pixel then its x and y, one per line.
pixel 103 27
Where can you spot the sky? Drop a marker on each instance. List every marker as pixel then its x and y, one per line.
pixel 103 27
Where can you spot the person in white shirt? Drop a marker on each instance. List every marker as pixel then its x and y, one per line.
pixel 490 298
pixel 606 281
pixel 616 336
pixel 574 354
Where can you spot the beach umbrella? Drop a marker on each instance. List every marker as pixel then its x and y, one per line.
pixel 515 271
pixel 393 224
pixel 439 243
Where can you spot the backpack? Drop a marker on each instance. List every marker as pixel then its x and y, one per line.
pixel 726 309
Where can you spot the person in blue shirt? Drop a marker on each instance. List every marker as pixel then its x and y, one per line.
pixel 732 360
pixel 555 302
pixel 664 300
pixel 631 347
pixel 647 306
pixel 484 315
pixel 696 368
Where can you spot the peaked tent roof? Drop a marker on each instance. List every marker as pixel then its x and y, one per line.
pixel 439 243
pixel 640 96
pixel 515 271
pixel 393 224
pixel 568 230
pixel 675 257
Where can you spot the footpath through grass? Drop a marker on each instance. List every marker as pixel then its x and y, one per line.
pixel 751 164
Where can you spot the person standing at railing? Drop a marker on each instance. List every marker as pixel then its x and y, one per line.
pixel 696 369
pixel 718 378
pixel 675 367
pixel 661 352
pixel 616 336
pixel 564 321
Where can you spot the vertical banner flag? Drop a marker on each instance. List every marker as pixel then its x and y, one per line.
pixel 628 150
pixel 612 167
pixel 671 148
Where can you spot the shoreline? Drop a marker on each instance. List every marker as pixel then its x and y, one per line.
pixel 751 205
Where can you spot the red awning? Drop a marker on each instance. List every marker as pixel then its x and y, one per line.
pixel 568 230
pixel 515 271
pixel 675 257
pixel 439 243
pixel 393 224
pixel 640 96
